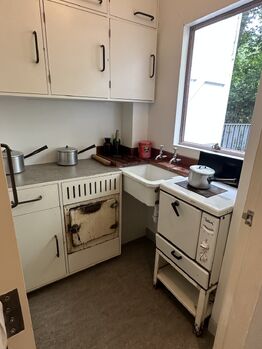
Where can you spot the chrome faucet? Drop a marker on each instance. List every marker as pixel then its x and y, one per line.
pixel 160 155
pixel 175 159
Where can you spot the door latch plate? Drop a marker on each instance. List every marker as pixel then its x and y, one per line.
pixel 248 217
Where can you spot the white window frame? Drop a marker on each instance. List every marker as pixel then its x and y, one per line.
pixel 185 72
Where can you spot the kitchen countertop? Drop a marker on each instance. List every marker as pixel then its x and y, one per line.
pixel 51 172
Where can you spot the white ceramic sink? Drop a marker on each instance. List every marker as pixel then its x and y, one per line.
pixel 143 181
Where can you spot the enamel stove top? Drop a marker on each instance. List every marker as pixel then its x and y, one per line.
pixel 218 204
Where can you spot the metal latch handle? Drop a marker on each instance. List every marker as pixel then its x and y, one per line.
pixel 248 217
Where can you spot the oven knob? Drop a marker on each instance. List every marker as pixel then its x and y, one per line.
pixel 203 257
pixel 204 244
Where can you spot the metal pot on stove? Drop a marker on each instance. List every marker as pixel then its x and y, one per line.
pixel 68 156
pixel 200 177
pixel 18 159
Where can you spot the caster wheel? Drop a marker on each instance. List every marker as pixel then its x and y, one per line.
pixel 198 331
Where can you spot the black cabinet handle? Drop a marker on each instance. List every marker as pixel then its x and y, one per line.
pixel 153 57
pixel 175 206
pixel 57 247
pixel 37 60
pixel 174 255
pixel 144 14
pixel 15 202
pixel 104 57
pixel 32 200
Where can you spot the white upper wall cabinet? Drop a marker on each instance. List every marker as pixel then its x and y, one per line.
pixel 22 62
pixel 140 11
pixel 96 5
pixel 133 61
pixel 78 51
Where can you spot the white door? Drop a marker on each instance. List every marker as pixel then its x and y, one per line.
pixel 140 11
pixel 96 5
pixel 78 45
pixel 179 223
pixel 22 62
pixel 11 276
pixel 240 324
pixel 40 242
pixel 133 61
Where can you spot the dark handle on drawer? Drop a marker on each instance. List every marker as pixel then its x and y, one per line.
pixel 175 206
pixel 12 175
pixel 174 255
pixel 144 14
pixel 154 65
pixel 37 60
pixel 104 58
pixel 33 200
pixel 57 247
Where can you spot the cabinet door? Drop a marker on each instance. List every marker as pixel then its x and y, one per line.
pixel 96 5
pixel 140 11
pixel 78 44
pixel 180 225
pixel 39 236
pixel 133 61
pixel 22 63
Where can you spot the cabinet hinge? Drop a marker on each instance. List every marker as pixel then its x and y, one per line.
pixel 44 16
pixel 110 84
pixel 110 33
pixel 49 78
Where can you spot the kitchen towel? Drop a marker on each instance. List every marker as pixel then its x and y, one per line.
pixel 3 336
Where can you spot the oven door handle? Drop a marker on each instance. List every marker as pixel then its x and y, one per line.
pixel 175 205
pixel 15 202
pixel 174 255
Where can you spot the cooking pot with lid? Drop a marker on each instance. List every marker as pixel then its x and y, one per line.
pixel 200 177
pixel 18 159
pixel 68 156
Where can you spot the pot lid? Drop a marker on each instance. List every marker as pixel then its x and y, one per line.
pixel 67 149
pixel 204 170
pixel 14 153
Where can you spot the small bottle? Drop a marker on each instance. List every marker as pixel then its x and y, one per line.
pixel 116 144
pixel 107 147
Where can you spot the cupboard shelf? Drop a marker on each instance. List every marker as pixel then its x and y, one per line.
pixel 185 292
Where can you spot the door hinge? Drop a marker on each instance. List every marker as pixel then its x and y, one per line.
pixel 110 84
pixel 44 16
pixel 49 78
pixel 109 33
pixel 248 217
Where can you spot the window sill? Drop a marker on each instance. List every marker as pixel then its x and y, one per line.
pixel 195 150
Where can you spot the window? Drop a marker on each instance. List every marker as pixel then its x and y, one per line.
pixel 223 74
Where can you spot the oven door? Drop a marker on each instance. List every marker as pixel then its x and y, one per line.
pixel 179 223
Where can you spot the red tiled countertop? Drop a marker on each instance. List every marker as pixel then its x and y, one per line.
pixel 131 159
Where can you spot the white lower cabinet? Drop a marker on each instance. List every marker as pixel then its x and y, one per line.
pixel 40 241
pixel 133 61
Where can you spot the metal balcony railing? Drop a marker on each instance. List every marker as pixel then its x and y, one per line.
pixel 235 136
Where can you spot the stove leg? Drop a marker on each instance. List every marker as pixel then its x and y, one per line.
pixel 156 269
pixel 201 312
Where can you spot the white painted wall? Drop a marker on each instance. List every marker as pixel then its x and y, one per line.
pixel 134 123
pixel 26 124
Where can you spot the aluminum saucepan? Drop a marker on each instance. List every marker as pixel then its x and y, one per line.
pixel 68 156
pixel 200 177
pixel 18 159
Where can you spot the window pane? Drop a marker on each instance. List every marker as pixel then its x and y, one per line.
pixel 224 78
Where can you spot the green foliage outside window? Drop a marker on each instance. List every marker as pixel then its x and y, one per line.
pixel 247 68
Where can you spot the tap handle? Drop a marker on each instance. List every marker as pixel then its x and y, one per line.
pixel 161 148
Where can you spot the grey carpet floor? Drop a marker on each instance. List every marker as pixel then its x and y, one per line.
pixel 113 305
